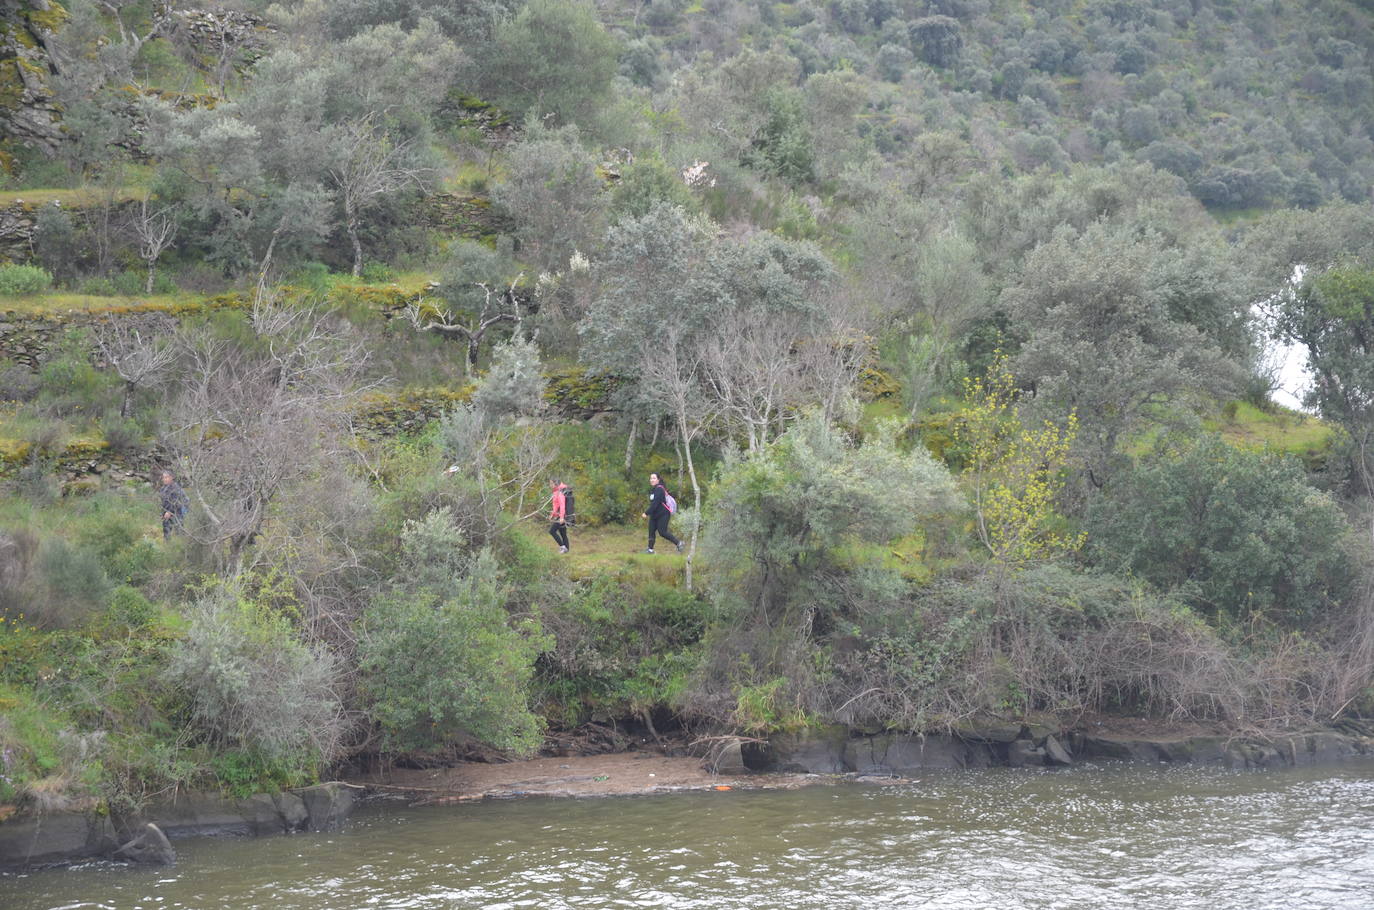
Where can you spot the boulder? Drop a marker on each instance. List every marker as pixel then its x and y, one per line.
pixel 328 805
pixel 1199 750
pixel 197 814
pixel 901 753
pixel 729 760
pixel 1055 753
pixel 150 847
pixel 291 809
pixel 988 729
pixel 261 816
pixel 1112 747
pixel 815 750
pixel 1024 753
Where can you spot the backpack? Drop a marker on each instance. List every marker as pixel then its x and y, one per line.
pixel 669 502
pixel 569 507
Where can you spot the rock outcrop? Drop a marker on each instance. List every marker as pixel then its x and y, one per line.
pixel 1021 744
pixel 146 837
pixel 28 111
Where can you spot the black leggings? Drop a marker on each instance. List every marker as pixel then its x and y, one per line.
pixel 659 526
pixel 559 530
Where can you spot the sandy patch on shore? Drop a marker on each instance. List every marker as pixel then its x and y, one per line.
pixel 619 774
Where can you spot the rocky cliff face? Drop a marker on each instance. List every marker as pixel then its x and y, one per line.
pixel 28 110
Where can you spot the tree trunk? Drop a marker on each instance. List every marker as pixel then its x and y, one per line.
pixel 696 498
pixel 148 286
pixel 128 397
pixel 630 443
pixel 677 445
pixel 353 237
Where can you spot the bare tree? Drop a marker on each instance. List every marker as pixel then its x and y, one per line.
pixel 367 165
pixel 496 305
pixel 751 366
pixel 139 358
pixel 673 371
pixel 252 423
pixel 158 23
pixel 155 230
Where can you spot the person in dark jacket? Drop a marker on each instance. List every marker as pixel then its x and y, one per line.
pixel 175 504
pixel 558 516
pixel 658 514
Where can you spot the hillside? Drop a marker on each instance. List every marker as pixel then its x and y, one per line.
pixel 945 322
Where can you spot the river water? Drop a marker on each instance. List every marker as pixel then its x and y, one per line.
pixel 1124 837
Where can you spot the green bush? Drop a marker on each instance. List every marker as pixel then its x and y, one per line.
pixel 622 647
pixel 71 385
pixel 129 609
pixel 19 280
pixel 122 434
pixel 98 287
pixel 133 283
pixel 1233 532
pixel 435 665
pixel 378 273
pixel 72 584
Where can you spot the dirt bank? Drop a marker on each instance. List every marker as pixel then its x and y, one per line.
pixel 620 774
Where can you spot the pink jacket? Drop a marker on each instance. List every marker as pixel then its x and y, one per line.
pixel 559 512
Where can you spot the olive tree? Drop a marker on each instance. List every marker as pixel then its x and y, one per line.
pixel 662 289
pixel 553 57
pixel 1103 312
pixel 1332 315
pixel 1230 531
pixel 555 195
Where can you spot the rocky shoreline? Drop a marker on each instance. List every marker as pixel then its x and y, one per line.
pixel 816 755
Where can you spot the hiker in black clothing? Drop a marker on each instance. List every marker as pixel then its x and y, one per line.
pixel 175 504
pixel 659 513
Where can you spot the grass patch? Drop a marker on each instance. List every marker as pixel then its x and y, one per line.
pixel 1281 430
pixel 614 550
pixel 67 198
pixel 38 304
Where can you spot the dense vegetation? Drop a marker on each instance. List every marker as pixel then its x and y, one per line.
pixel 947 321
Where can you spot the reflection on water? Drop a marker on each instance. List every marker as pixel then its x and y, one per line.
pixel 1105 838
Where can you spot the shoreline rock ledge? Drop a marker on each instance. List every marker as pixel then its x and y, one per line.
pixel 1036 743
pixel 146 837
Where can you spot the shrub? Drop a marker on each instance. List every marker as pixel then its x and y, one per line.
pixel 1233 532
pixel 18 280
pixel 435 665
pixel 98 287
pixel 514 385
pixel 17 382
pixel 69 384
pixel 129 609
pixel 72 584
pixel 378 273
pixel 122 434
pixel 251 684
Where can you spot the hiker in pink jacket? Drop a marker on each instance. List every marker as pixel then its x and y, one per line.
pixel 558 517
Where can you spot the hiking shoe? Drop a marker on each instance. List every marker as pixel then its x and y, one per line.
pixel 679 546
pixel 562 549
pixel 650 551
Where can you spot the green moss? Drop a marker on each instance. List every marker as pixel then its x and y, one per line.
pixel 50 20
pixel 575 388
